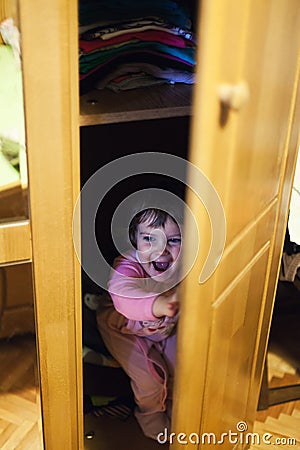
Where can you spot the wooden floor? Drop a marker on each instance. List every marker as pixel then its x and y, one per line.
pixel 282 421
pixel 20 419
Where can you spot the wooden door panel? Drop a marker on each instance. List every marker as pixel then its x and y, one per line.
pixel 232 346
pixel 270 61
pixel 239 253
pixel 262 31
pixel 243 152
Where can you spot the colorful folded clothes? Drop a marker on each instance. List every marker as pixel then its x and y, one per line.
pixel 155 32
pixel 96 59
pixel 161 36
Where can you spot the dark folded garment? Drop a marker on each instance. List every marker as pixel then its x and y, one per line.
pixel 119 10
pixel 133 81
pixel 111 30
pixel 168 74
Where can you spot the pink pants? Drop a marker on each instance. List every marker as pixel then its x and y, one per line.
pixel 149 365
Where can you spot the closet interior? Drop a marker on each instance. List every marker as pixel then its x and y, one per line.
pixel 136 112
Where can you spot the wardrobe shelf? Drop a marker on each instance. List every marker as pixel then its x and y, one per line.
pixel 158 102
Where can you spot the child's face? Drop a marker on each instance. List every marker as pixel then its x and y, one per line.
pixel 159 248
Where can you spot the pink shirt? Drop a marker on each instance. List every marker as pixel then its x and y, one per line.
pixel 133 293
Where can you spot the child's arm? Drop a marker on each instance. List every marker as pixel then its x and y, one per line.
pixel 132 300
pixel 127 290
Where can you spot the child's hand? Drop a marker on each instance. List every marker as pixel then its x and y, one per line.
pixel 166 304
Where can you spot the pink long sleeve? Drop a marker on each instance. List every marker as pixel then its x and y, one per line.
pixel 131 289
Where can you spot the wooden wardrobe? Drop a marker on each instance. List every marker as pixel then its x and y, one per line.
pixel 244 138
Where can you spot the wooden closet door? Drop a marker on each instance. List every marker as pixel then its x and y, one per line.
pixel 246 146
pixel 49 38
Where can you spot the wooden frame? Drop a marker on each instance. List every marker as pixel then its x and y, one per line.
pixel 49 53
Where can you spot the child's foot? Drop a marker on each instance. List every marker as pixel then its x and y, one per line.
pixel 153 425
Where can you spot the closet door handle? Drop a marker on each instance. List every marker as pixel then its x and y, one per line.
pixel 234 96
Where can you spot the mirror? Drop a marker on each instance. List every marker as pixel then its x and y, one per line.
pixel 19 380
pixel 13 168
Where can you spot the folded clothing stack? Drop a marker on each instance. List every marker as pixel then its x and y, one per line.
pixel 125 44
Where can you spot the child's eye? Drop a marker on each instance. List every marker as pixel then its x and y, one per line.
pixel 149 238
pixel 174 241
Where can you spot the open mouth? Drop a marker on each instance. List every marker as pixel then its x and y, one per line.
pixel 160 266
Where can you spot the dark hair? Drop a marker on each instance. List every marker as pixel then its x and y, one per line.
pixel 154 216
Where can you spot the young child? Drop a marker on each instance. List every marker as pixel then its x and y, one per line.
pixel 138 322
